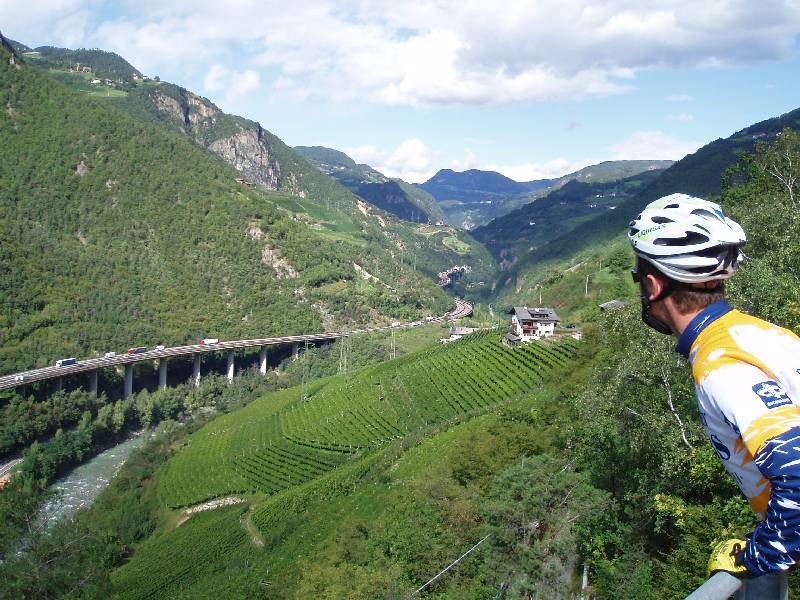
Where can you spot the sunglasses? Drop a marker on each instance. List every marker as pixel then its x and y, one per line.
pixel 635 275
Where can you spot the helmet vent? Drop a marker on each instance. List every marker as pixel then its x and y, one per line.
pixel 672 206
pixel 702 212
pixel 690 239
pixel 662 220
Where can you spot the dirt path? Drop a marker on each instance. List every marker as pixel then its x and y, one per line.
pixel 251 529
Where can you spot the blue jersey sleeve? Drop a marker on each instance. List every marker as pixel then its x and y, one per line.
pixel 775 542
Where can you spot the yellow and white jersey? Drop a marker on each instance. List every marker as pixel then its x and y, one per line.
pixel 747 375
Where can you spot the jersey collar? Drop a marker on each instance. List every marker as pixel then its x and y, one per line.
pixel 703 319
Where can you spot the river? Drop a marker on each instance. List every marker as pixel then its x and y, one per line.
pixel 84 483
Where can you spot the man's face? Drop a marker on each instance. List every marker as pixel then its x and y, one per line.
pixel 653 290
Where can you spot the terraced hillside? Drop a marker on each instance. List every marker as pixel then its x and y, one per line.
pixel 284 439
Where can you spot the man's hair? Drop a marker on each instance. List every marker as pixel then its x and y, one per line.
pixel 688 298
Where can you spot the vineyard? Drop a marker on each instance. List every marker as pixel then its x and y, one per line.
pixel 293 436
pixel 199 542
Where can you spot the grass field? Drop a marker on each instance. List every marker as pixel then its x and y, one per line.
pixel 332 223
pixel 456 245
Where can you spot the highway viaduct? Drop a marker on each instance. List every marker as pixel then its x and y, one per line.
pixel 91 366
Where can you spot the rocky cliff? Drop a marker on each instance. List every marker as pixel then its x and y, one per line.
pixel 239 142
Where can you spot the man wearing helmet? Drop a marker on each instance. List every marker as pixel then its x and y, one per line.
pixel 746 372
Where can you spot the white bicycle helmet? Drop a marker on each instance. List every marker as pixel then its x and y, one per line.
pixel 688 239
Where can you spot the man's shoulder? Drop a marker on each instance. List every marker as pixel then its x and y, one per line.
pixel 740 338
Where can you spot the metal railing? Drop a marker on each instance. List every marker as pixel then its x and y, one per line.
pixel 719 586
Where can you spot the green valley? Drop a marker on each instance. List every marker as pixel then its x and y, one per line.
pixel 436 458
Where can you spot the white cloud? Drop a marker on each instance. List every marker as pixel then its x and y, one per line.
pixel 232 84
pixel 653 145
pixel 412 160
pixel 464 52
pixel 678 98
pixel 470 161
pixel 551 169
pixel 40 22
pixel 683 117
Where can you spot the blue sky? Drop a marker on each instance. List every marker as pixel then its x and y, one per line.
pixel 532 89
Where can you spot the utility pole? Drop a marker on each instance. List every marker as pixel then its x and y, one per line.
pixel 304 383
pixel 586 293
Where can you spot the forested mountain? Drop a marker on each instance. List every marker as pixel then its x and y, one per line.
pixel 392 195
pixel 116 231
pixel 473 198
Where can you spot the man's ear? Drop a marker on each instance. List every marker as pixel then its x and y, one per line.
pixel 655 287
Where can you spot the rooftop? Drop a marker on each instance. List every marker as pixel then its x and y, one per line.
pixel 540 315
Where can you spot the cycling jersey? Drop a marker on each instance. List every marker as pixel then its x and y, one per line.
pixel 747 376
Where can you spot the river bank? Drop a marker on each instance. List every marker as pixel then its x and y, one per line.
pixel 84 483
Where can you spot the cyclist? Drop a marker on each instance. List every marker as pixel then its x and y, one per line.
pixel 746 372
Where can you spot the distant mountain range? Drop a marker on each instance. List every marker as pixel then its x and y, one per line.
pixel 392 195
pixel 472 198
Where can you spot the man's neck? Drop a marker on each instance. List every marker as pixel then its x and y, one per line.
pixel 678 321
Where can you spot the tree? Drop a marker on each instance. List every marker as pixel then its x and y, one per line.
pixel 781 161
pixel 533 510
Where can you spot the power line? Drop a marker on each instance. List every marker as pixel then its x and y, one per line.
pixel 450 566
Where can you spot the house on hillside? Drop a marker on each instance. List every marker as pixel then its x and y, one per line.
pixel 532 323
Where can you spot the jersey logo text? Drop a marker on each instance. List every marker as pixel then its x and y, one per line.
pixel 771 394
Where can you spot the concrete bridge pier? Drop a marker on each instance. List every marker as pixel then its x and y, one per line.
pixel 162 373
pixel 128 380
pixel 231 367
pixel 196 370
pixel 93 383
pixel 262 360
pixel 58 384
pixel 295 350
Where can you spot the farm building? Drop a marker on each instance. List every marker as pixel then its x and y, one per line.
pixel 532 323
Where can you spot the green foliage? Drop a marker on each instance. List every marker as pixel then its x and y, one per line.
pixel 637 427
pixel 533 511
pixel 103 64
pixel 765 200
pixel 24 419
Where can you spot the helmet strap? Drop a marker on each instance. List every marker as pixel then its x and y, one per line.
pixel 649 319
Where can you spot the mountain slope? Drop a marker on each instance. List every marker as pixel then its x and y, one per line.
pixel 700 174
pixel 392 195
pixel 473 198
pixel 117 232
pixel 537 222
pixel 263 160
